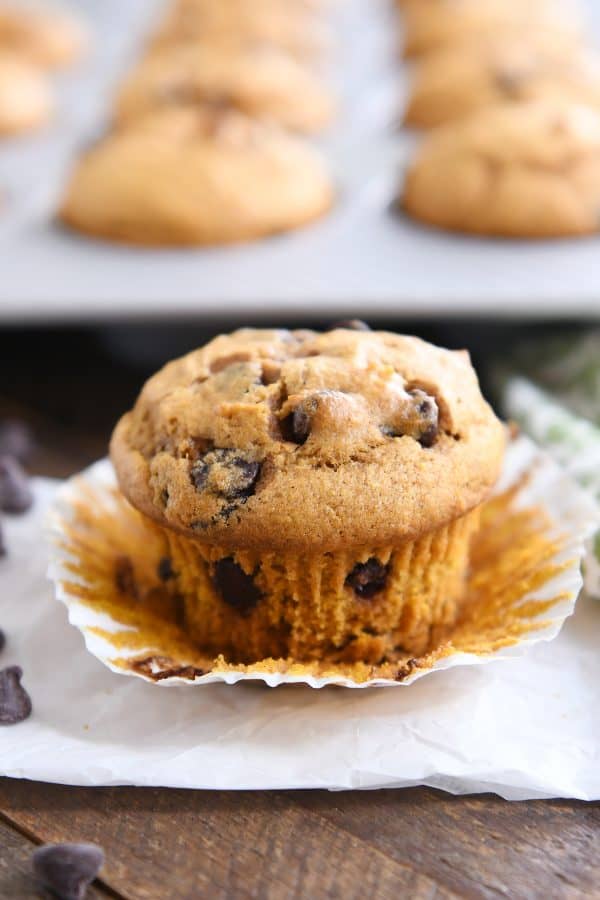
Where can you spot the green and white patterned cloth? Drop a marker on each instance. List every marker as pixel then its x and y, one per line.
pixel 572 440
pixel 568 368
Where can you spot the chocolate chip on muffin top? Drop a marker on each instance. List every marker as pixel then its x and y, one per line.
pixel 297 438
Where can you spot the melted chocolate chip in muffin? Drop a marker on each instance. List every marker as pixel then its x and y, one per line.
pixel 235 587
pixel 368 579
pixel 228 474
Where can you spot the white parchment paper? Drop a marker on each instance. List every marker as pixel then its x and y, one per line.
pixel 523 728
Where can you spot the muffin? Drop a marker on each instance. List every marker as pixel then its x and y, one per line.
pixel 316 494
pixel 293 27
pixel 47 37
pixel 263 82
pixel 463 79
pixel 433 24
pixel 26 100
pixel 192 177
pixel 525 170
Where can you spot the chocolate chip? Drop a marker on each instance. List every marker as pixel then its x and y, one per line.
pixel 165 569
pixel 125 577
pixel 16 439
pixel 429 437
pixel 15 493
pixel 15 703
pixel 237 589
pixel 427 425
pixel 419 420
pixel 67 869
pixel 350 325
pixel 226 473
pixel 2 640
pixel 368 579
pixel 295 428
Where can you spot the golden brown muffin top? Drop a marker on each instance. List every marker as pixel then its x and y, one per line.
pixel 514 170
pixel 295 439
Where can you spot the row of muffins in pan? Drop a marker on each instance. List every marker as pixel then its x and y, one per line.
pixel 509 94
pixel 210 139
pixel 33 44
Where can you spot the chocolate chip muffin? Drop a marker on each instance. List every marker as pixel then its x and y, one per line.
pixel 263 82
pixel 46 37
pixel 26 99
pixel 316 493
pixel 291 26
pixel 521 170
pixel 454 83
pixel 429 25
pixel 186 177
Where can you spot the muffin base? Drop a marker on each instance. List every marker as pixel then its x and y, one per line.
pixel 107 565
pixel 290 605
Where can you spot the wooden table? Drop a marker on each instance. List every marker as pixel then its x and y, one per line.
pixel 179 845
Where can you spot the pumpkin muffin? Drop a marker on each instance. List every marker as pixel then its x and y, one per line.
pixel 524 170
pixel 432 24
pixel 263 82
pixel 48 38
pixel 291 26
pixel 26 99
pixel 316 494
pixel 463 79
pixel 192 177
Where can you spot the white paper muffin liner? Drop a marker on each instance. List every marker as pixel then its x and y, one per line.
pixel 570 516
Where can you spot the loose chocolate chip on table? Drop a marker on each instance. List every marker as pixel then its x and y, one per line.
pixel 16 439
pixel 350 325
pixel 15 703
pixel 226 473
pixel 15 493
pixel 67 869
pixel 368 579
pixel 165 569
pixel 236 588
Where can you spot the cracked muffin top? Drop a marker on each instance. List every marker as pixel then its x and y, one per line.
pixel 296 439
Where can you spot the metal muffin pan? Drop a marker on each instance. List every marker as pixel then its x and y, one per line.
pixel 363 258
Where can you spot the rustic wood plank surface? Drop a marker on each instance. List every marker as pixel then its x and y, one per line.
pixel 413 843
pixel 164 844
pixel 16 876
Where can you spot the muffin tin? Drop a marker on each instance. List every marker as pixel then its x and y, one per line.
pixel 363 256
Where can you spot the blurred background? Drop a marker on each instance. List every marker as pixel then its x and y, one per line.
pixel 177 168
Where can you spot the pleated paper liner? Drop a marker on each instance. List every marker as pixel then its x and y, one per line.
pixel 524 581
